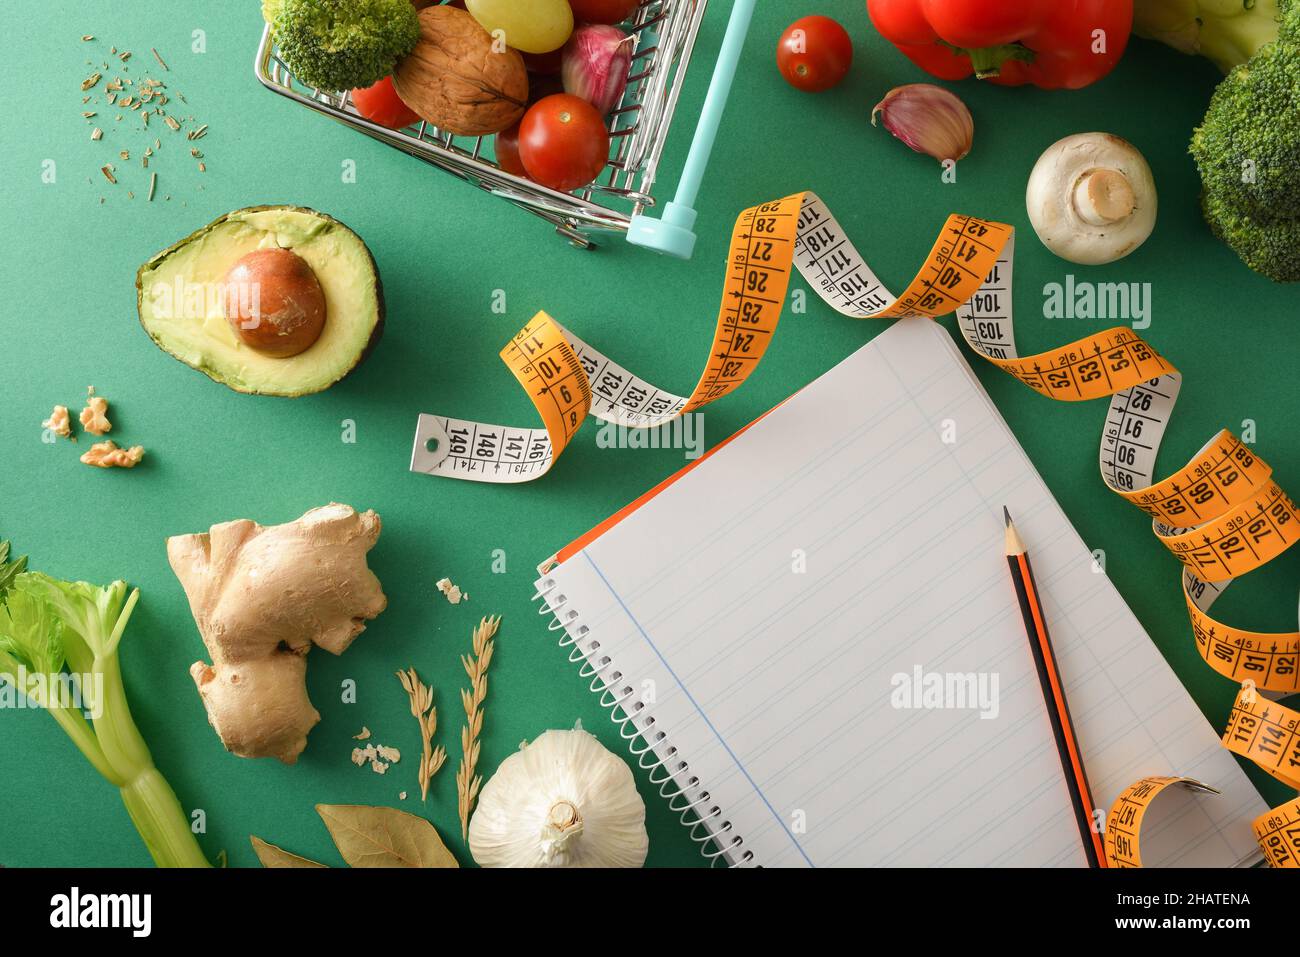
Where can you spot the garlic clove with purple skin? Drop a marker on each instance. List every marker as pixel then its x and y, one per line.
pixel 595 64
pixel 928 118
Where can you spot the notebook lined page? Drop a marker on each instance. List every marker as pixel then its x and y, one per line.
pixel 773 603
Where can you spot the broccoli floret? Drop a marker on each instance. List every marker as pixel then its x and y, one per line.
pixel 343 44
pixel 1248 151
pixel 1248 146
pixel 271 9
pixel 1228 32
pixel 1269 245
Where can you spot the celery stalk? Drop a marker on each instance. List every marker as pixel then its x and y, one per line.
pixel 47 624
pixel 157 815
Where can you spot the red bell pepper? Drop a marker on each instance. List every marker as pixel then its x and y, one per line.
pixel 1048 43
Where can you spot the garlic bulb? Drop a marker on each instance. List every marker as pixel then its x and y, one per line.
pixel 562 801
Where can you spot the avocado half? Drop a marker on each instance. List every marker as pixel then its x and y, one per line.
pixel 180 308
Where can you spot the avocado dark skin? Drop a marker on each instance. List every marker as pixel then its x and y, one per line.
pixel 362 353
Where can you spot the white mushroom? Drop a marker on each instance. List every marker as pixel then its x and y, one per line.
pixel 1091 198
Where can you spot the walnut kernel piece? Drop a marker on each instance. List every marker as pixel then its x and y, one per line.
pixel 59 422
pixel 107 455
pixel 451 592
pixel 94 417
pixel 379 757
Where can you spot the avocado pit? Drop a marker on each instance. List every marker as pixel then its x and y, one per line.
pixel 274 302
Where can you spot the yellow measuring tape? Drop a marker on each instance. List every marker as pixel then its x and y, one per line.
pixel 1221 515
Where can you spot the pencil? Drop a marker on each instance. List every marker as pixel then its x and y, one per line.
pixel 1040 644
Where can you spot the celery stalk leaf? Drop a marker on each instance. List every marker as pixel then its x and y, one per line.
pixel 31 638
pixel 9 570
pixel 89 612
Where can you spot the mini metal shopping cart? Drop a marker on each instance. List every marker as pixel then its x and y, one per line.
pixel 664 34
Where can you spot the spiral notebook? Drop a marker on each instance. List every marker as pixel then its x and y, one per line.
pixel 811 640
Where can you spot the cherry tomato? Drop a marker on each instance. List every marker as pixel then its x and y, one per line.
pixel 563 142
pixel 381 104
pixel 814 54
pixel 603 11
pixel 507 149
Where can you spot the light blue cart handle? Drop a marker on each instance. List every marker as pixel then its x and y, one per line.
pixel 674 235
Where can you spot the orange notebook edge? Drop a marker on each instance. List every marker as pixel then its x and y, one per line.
pixel 582 541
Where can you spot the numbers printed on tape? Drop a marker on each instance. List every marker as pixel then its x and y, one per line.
pixel 1125 819
pixel 1221 515
pixel 1222 474
pixel 1269 734
pixel 1278 833
pixel 1269 660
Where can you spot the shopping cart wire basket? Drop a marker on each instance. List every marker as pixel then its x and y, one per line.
pixel 664 34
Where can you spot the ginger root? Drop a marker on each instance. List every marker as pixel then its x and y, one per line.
pixel 261 597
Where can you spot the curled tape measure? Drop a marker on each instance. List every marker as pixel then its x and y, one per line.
pixel 1221 515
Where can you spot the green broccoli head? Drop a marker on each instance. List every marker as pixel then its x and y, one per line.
pixel 1248 151
pixel 1268 245
pixel 343 44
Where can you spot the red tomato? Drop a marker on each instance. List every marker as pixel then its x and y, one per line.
pixel 814 54
pixel 603 11
pixel 381 104
pixel 507 150
pixel 563 142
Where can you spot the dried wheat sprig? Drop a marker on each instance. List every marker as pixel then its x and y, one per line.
pixel 422 707
pixel 476 666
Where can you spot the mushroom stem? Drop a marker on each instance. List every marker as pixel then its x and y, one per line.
pixel 1091 198
pixel 1104 196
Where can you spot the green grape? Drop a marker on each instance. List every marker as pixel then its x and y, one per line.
pixel 533 26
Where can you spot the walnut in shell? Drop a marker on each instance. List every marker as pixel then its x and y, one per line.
pixel 459 78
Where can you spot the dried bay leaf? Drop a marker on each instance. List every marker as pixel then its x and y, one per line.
pixel 272 856
pixel 384 837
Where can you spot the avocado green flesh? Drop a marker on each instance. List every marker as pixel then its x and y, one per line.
pixel 181 305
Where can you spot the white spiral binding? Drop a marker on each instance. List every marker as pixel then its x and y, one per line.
pixel 686 801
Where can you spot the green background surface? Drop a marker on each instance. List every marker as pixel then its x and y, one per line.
pixel 443 248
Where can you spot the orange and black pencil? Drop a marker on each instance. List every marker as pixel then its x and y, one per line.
pixel 1040 644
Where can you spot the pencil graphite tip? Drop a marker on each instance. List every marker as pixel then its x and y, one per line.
pixel 1015 546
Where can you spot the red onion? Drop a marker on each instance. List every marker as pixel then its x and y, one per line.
pixel 595 65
